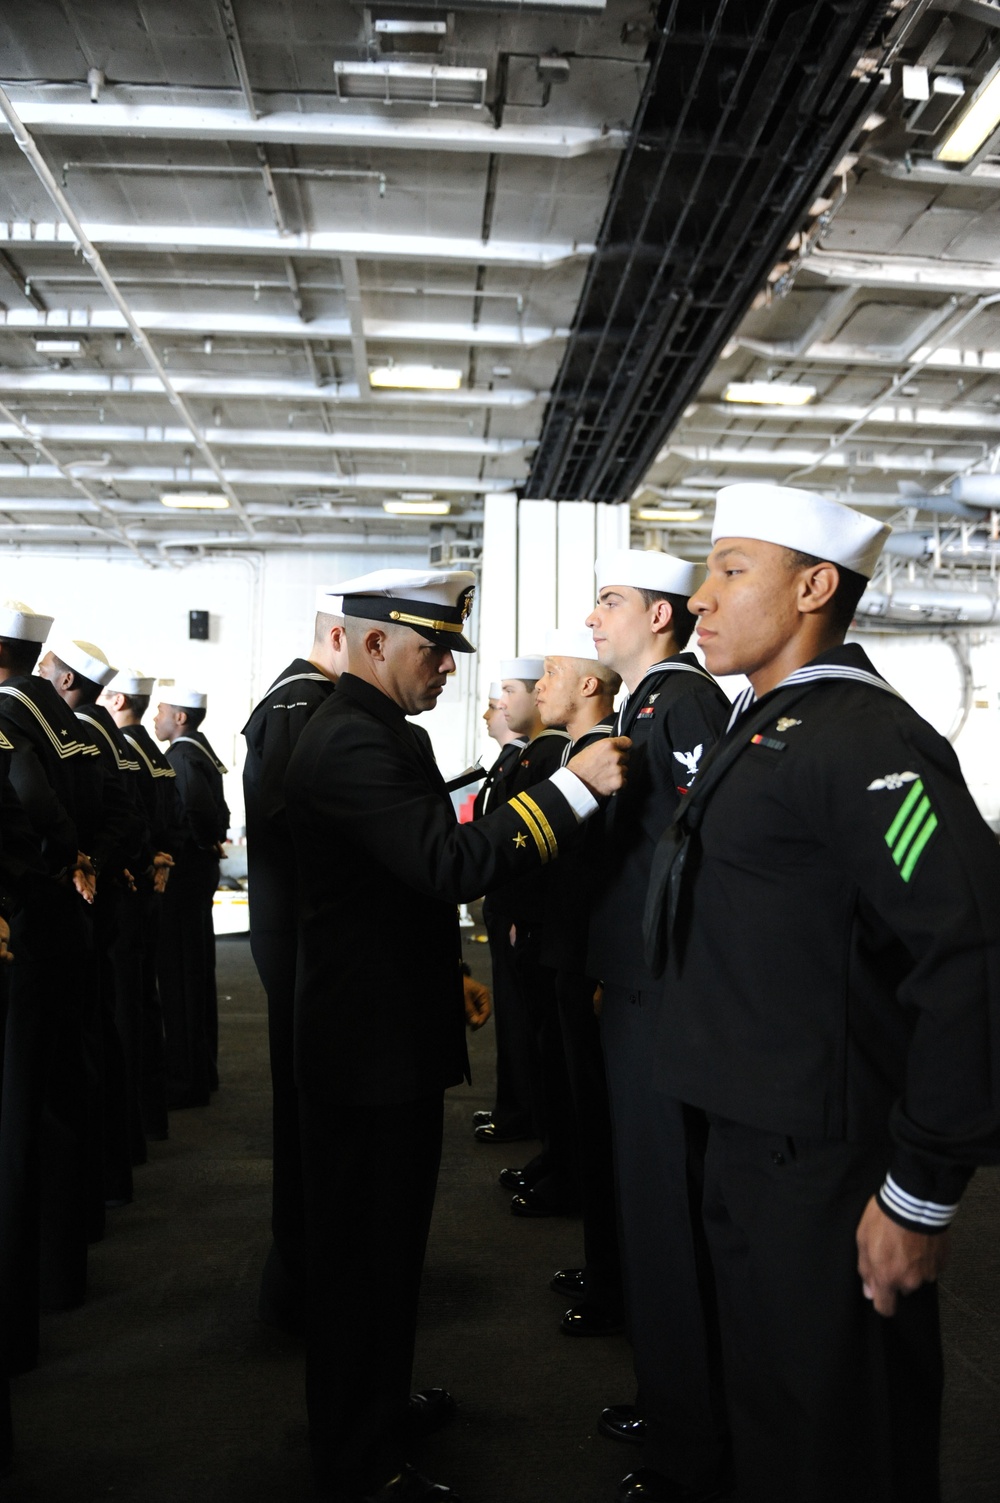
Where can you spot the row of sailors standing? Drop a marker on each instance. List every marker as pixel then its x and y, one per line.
pixel 788 913
pixel 109 853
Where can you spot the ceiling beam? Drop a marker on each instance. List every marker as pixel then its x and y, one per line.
pixel 203 478
pixel 23 383
pixel 275 326
pixel 793 459
pixel 900 415
pixel 257 438
pixel 135 111
pixel 905 273
pixel 196 239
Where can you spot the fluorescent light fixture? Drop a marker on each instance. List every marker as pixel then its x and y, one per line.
pixel 975 125
pixel 58 347
pixel 389 28
pixel 417 508
pixel 769 393
pixel 669 516
pixel 195 500
pixel 415 377
pixel 411 83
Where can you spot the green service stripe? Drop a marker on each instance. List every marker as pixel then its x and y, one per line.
pixel 902 813
pixel 925 834
pixel 903 843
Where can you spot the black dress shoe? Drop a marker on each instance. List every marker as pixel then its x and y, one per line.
pixel 567 1281
pixel 479 1119
pixel 530 1203
pixel 588 1320
pixel 622 1422
pixel 412 1487
pixel 428 1410
pixel 514 1179
pixel 488 1132
pixel 647 1486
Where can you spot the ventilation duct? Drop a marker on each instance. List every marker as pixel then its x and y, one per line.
pixel 411 83
pixel 915 607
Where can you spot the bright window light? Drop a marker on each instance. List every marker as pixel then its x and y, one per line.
pixel 417 508
pixel 195 500
pixel 769 393
pixel 416 377
pixel 648 515
pixel 975 125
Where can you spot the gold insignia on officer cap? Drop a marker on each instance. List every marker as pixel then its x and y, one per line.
pixel 435 603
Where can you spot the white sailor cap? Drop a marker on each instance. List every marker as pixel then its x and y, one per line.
pixel 571 642
pixel 800 520
pixel 19 623
pixel 84 658
pixel 530 667
pixel 496 690
pixel 183 697
pixel 434 603
pixel 647 569
pixel 329 604
pixel 130 681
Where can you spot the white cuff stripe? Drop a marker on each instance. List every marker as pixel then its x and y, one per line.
pixel 575 792
pixel 926 1212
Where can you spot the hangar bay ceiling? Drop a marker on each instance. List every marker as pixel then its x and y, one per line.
pixel 308 274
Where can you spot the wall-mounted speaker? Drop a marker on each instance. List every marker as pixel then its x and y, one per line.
pixel 198 626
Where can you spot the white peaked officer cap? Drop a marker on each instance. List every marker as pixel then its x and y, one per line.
pixel 803 521
pixel 571 642
pixel 434 603
pixel 130 681
pixel 644 569
pixel 19 623
pixel 182 697
pixel 496 690
pixel 527 667
pixel 84 658
pixel 329 604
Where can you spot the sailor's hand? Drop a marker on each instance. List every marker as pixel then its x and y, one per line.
pixel 603 766
pixel 892 1260
pixel 5 953
pixel 477 1003
pixel 84 877
pixel 162 862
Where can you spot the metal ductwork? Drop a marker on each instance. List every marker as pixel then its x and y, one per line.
pixel 916 607
pixel 977 549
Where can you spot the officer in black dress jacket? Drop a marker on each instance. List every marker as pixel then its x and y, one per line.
pixel 674 712
pixel 577 691
pixel 271 733
pixel 187 939
pixel 379 1012
pixel 833 1004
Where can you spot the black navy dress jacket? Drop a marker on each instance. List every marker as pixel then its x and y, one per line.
pixel 572 883
pixel 523 902
pixel 834 962
pixel 271 733
pixel 199 788
pixel 123 800
pixel 674 717
pixel 158 789
pixel 383 864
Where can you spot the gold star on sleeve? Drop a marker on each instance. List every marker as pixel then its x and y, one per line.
pixel 519 840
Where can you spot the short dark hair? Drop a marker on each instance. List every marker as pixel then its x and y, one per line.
pixel 683 619
pixel 136 704
pixel 85 687
pixel 19 656
pixel 194 717
pixel 850 588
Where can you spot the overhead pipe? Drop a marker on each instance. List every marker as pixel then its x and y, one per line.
pixel 27 145
pixel 931 607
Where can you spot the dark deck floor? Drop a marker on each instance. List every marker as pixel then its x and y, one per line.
pixel 164 1388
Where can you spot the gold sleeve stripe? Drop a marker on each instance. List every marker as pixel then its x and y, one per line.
pixel 547 830
pixel 536 834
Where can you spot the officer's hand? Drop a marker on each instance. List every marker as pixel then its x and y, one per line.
pixel 598 1000
pixel 162 862
pixel 5 954
pixel 477 1003
pixel 893 1260
pixel 602 767
pixel 84 877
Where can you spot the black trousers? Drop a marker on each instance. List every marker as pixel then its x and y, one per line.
pixel 274 951
pixel 369 1192
pixel 187 979
pixel 581 1039
pixel 153 1075
pixel 828 1400
pixel 518 1106
pixel 669 1300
